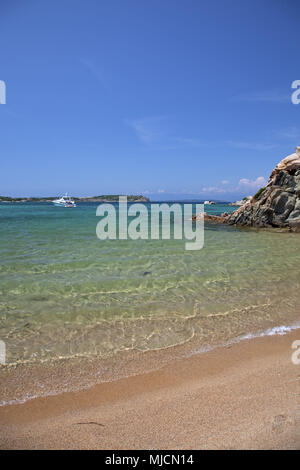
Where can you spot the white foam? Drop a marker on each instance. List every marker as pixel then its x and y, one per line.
pixel 276 330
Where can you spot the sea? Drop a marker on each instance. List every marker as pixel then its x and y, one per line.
pixel 66 295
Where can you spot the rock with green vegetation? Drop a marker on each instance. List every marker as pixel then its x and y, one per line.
pixel 278 204
pixel 256 196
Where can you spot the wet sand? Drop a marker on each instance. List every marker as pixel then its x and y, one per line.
pixel 246 395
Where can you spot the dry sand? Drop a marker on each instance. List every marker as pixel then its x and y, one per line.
pixel 246 395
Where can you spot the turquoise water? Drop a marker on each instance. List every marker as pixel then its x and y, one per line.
pixel 65 293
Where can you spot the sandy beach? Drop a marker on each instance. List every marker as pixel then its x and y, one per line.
pixel 149 226
pixel 241 396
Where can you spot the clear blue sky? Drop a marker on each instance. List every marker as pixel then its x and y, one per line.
pixel 146 96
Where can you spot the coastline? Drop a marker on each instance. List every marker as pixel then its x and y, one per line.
pixel 243 395
pixel 24 381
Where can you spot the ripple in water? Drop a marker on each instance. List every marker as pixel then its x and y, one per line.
pixel 64 293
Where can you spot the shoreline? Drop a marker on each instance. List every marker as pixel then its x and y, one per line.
pixel 20 377
pixel 243 395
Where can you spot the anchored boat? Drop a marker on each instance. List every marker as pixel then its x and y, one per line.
pixel 64 201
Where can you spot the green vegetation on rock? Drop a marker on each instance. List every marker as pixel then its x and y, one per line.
pixel 256 196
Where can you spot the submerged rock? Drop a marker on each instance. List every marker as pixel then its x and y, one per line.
pixel 278 204
pixel 221 219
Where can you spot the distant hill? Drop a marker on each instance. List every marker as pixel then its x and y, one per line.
pixel 112 198
pixel 103 198
pixel 26 199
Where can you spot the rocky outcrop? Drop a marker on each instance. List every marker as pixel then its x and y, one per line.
pixel 278 204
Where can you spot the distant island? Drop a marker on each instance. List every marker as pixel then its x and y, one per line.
pixel 111 198
pixel 103 198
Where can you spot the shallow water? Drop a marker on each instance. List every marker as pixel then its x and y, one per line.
pixel 65 293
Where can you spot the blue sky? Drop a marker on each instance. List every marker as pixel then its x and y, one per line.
pixel 163 98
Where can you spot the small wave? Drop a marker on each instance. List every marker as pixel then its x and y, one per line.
pixel 276 330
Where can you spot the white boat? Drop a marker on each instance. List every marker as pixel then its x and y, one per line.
pixel 64 201
pixel 209 203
